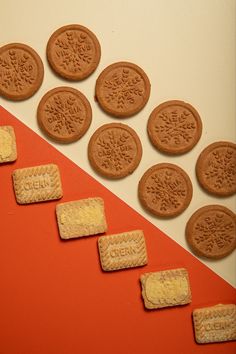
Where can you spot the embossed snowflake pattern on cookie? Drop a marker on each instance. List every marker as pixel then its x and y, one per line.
pixel 174 127
pixel 73 52
pixel 115 150
pixel 64 114
pixel 165 190
pixel 21 71
pixel 211 231
pixel 216 168
pixel 122 89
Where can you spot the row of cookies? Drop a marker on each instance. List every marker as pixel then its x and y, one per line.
pixel 115 95
pixel 122 89
pixel 86 217
pixel 165 190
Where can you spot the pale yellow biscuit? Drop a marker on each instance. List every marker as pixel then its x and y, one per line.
pixel 165 288
pixel 8 152
pixel 124 250
pixel 37 184
pixel 82 217
pixel 215 324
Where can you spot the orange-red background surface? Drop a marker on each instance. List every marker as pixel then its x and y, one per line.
pixel 54 297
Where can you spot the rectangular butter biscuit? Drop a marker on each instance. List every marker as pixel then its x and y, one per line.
pixel 8 151
pixel 165 288
pixel 215 324
pixel 82 217
pixel 37 184
pixel 124 250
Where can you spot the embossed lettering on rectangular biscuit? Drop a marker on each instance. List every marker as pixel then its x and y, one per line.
pixel 165 288
pixel 8 151
pixel 82 217
pixel 124 250
pixel 37 184
pixel 215 324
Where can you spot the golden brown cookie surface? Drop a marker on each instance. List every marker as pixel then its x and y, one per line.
pixel 174 127
pixel 73 52
pixel 114 150
pixel 124 250
pixel 8 149
pixel 122 89
pixel 37 184
pixel 21 71
pixel 165 190
pixel 215 323
pixel 165 288
pixel 80 218
pixel 64 114
pixel 216 168
pixel 211 231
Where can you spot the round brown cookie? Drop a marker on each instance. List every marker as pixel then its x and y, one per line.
pixel 122 89
pixel 73 52
pixel 216 168
pixel 211 231
pixel 64 114
pixel 21 71
pixel 115 150
pixel 174 127
pixel 165 190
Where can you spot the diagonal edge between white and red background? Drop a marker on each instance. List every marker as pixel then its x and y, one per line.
pixel 183 60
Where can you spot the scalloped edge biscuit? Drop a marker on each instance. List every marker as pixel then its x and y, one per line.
pixel 84 217
pixel 37 184
pixel 8 151
pixel 215 323
pixel 165 288
pixel 124 250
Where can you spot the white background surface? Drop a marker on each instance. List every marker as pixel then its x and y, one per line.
pixel 186 47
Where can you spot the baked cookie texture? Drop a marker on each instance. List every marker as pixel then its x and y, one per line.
pixel 21 71
pixel 73 52
pixel 124 250
pixel 165 190
pixel 216 168
pixel 84 217
pixel 174 127
pixel 8 148
pixel 37 184
pixel 215 323
pixel 122 89
pixel 165 288
pixel 211 231
pixel 114 150
pixel 64 114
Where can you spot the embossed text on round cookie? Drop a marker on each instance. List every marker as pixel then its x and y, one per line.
pixel 165 190
pixel 122 89
pixel 21 71
pixel 73 52
pixel 216 168
pixel 64 114
pixel 174 127
pixel 115 150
